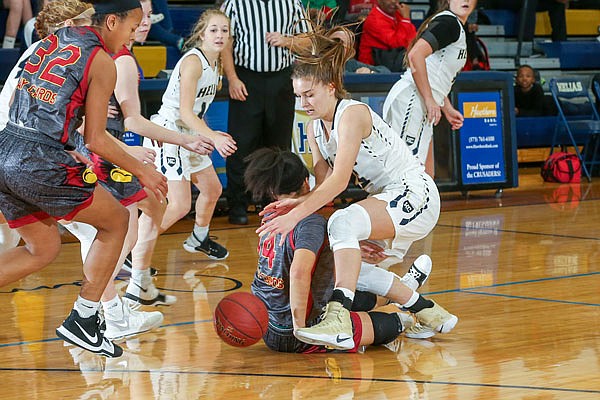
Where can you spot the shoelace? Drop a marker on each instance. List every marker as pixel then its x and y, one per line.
pixel 412 271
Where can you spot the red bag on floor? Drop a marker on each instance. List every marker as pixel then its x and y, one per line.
pixel 562 167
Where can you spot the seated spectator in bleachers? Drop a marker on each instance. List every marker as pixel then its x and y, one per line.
pixel 386 33
pixel 529 95
pixel 19 11
pixel 162 31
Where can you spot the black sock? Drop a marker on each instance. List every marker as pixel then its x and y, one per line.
pixel 339 296
pixel 421 303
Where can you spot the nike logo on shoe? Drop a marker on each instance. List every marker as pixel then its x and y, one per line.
pixel 141 288
pixel 93 340
pixel 339 339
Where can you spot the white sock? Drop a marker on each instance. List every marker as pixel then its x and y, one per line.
pixel 200 232
pixel 413 299
pixel 9 42
pixel 141 275
pixel 85 308
pixel 113 307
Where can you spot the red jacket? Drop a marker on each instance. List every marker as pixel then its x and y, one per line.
pixel 383 31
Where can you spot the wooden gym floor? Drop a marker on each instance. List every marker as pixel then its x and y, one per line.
pixel 522 272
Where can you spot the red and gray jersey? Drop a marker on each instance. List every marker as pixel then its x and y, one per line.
pixel 272 278
pixel 51 92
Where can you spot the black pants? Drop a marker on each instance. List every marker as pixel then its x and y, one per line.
pixel 265 119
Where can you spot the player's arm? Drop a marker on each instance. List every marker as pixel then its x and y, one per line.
pixel 300 279
pixel 320 167
pixel 101 82
pixel 126 92
pixel 190 73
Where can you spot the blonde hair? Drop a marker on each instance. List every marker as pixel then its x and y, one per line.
pixel 57 12
pixel 325 59
pixel 195 38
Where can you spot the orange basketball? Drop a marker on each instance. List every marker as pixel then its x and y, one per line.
pixel 241 319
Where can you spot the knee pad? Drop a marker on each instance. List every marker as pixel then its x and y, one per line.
pixel 364 301
pixel 386 327
pixel 374 279
pixel 347 227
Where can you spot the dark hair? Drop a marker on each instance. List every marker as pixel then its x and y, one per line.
pixel 98 19
pixel 526 66
pixel 272 172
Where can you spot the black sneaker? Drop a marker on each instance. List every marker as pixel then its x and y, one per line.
pixel 127 266
pixel 208 246
pixel 86 333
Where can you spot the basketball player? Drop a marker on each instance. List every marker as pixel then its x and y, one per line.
pixel 43 179
pixel 416 102
pixel 123 319
pixel 192 87
pixel 295 279
pixel 62 13
pixel 348 139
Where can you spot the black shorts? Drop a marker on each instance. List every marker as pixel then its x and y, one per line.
pixel 39 179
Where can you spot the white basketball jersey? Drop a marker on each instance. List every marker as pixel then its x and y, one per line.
pixel 444 64
pixel 206 88
pixel 383 158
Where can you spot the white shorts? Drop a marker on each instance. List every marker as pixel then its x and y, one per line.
pixel 175 162
pixel 405 111
pixel 414 207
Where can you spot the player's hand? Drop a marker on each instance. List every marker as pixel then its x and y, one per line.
pixel 277 208
pixel 153 180
pixel 80 158
pixel 454 117
pixel 142 154
pixel 237 90
pixel 279 225
pixel 113 111
pixel 198 144
pixel 225 144
pixel 434 112
pixel 371 252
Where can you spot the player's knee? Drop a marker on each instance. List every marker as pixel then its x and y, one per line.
pixel 375 280
pixel 386 327
pixel 179 208
pixel 347 227
pixel 45 251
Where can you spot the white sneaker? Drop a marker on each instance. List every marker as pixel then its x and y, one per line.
pixel 335 330
pixel 145 293
pixel 418 272
pixel 418 331
pixel 132 322
pixel 437 318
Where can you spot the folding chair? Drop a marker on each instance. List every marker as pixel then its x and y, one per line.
pixel 578 118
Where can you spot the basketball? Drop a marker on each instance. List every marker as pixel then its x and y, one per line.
pixel 241 319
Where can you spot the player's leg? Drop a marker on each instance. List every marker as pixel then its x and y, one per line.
pixel 141 288
pixel 210 188
pixel 82 326
pixel 367 219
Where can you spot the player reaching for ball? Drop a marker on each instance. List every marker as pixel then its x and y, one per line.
pixel 295 279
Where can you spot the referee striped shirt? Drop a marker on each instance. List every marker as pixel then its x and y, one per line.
pixel 252 19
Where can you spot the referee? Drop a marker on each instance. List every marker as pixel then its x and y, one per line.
pixel 258 69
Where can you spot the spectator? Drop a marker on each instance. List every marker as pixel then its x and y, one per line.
pixel 388 28
pixel 18 11
pixel 353 65
pixel 529 95
pixel 258 68
pixel 162 29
